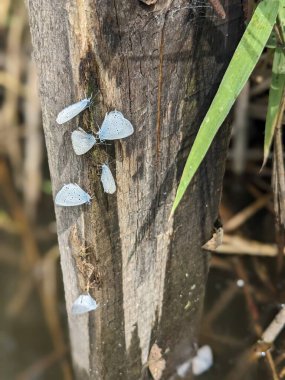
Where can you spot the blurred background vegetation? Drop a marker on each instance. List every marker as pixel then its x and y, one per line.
pixel 33 327
pixel 246 283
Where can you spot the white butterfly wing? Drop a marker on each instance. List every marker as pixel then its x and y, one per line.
pixel 115 126
pixel 71 195
pixel 73 110
pixel 128 128
pixel 202 361
pixel 83 304
pixel 107 180
pixel 82 142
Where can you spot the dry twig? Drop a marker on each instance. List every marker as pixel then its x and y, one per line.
pixel 237 245
pixel 275 327
pixel 278 181
pixel 241 217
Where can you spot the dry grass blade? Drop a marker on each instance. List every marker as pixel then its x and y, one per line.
pixel 238 245
pixel 280 175
pixel 272 366
pixel 241 217
pixel 275 327
pixel 278 180
pixel 282 373
pixel 257 194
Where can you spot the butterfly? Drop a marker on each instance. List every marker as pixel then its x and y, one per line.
pixel 83 304
pixel 115 126
pixel 107 180
pixel 82 141
pixel 72 195
pixel 73 110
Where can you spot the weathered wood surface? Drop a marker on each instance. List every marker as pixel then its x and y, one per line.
pixel 160 65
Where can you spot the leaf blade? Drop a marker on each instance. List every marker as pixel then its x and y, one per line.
pixel 242 64
pixel 276 94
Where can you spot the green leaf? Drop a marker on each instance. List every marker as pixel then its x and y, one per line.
pixel 276 94
pixel 272 42
pixel 242 64
pixel 281 20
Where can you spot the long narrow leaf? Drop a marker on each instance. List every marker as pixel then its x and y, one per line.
pixel 242 64
pixel 276 94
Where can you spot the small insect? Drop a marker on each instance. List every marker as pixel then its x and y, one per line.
pixel 71 195
pixel 115 126
pixel 73 110
pixel 107 180
pixel 83 304
pixel 203 360
pixel 82 142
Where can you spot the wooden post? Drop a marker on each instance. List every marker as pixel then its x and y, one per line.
pixel 159 64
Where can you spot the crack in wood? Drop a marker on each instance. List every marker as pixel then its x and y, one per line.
pixel 160 80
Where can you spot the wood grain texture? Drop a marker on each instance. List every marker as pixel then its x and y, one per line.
pixel 160 65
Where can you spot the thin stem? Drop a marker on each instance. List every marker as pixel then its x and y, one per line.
pixel 280 29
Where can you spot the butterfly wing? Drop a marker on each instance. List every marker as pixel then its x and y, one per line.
pixel 71 195
pixel 203 360
pixel 83 304
pixel 128 128
pixel 107 180
pixel 82 142
pixel 73 110
pixel 115 126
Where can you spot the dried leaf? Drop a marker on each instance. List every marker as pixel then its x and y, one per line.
pixel 215 241
pixel 156 363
